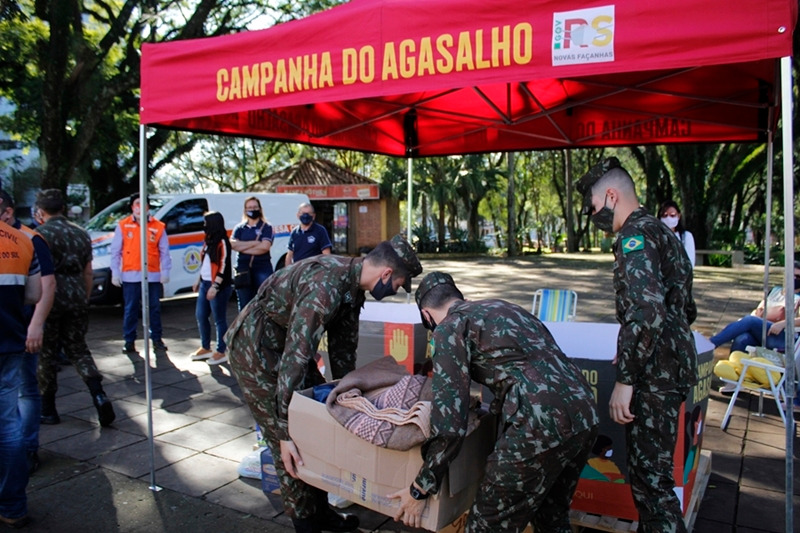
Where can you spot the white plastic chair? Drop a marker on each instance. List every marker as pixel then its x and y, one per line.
pixel 555 305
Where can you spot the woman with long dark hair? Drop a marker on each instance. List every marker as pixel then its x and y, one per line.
pixel 670 214
pixel 213 289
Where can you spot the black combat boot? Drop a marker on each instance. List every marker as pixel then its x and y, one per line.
pixel 305 525
pixel 49 414
pixel 326 519
pixel 105 411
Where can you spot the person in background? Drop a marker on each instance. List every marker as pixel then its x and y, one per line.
pixel 126 271
pixel 748 330
pixel 30 400
pixel 213 288
pixel 670 214
pixel 20 285
pixel 68 321
pixel 252 238
pixel 309 238
pixel 547 409
pixel 656 355
pixel 271 346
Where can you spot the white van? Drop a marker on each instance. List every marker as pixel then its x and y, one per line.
pixel 183 216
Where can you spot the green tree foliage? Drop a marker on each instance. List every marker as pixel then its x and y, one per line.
pixel 71 67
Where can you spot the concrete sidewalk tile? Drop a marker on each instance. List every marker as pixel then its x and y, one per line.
pixel 163 396
pixel 205 406
pixel 72 402
pixel 202 435
pixel 202 384
pixel 763 510
pixel 91 444
pixel 717 504
pixel 239 416
pixel 767 474
pixel 134 460
pixel 729 441
pixel 235 449
pixel 163 422
pixel 726 467
pixel 68 427
pixel 765 448
pixel 244 495
pixel 129 389
pixel 702 525
pixel 123 410
pixel 198 474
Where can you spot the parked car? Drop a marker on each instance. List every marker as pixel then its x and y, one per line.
pixel 183 216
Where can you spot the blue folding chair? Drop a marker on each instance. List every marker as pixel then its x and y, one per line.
pixel 555 305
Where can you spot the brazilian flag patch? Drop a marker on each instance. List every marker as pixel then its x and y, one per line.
pixel 631 244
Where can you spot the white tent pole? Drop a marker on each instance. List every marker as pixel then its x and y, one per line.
pixel 408 208
pixel 788 245
pixel 144 214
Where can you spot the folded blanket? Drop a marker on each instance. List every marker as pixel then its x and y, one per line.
pixel 383 404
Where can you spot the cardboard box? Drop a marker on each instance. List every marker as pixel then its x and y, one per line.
pixel 341 463
pixel 603 487
pixel 389 329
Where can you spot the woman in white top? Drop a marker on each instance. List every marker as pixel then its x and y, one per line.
pixel 670 214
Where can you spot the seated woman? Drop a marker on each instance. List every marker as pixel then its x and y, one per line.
pixel 748 331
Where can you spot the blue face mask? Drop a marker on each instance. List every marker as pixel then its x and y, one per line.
pixel 305 218
pixel 381 290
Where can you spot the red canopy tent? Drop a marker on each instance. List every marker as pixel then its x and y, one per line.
pixel 424 78
pixel 409 77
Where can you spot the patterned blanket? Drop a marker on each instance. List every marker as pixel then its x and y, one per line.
pixel 383 404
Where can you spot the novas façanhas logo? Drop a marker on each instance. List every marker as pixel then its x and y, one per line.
pixel 583 36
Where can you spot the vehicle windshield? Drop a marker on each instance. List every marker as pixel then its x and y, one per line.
pixel 107 219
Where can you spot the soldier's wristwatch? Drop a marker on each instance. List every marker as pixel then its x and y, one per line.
pixel 418 494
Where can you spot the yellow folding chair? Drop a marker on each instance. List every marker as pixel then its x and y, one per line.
pixel 555 305
pixel 774 388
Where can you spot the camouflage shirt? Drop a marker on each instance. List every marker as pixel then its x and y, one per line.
pixel 653 285
pixel 502 346
pixel 293 309
pixel 71 248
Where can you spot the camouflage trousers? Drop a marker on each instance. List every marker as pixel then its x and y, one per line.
pixel 518 488
pixel 651 441
pixel 65 329
pixel 255 369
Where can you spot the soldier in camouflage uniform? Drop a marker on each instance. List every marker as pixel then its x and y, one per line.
pixel 272 343
pixel 66 325
pixel 547 414
pixel 656 355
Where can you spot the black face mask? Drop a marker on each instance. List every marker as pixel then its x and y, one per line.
pixel 604 219
pixel 430 325
pixel 305 218
pixel 381 290
pixel 254 214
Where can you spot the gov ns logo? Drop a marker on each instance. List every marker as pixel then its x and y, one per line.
pixel 583 36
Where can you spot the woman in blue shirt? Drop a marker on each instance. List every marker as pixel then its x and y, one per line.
pixel 252 238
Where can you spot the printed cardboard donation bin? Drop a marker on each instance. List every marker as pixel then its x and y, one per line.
pixel 388 329
pixel 344 464
pixel 603 488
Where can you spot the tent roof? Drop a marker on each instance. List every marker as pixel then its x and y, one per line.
pixel 420 78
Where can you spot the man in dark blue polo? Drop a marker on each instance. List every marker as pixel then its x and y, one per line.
pixel 309 238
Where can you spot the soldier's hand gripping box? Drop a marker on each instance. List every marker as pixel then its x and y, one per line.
pixel 341 463
pixel 603 487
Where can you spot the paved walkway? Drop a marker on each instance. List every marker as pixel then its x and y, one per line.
pixel 99 479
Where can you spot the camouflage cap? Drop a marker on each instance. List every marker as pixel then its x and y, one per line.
pixel 594 174
pixel 430 281
pixel 403 249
